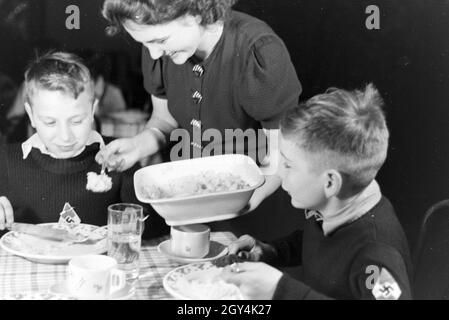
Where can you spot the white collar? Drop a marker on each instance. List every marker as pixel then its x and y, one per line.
pixel 35 142
pixel 360 205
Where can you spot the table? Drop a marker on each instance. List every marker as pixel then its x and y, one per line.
pixel 18 275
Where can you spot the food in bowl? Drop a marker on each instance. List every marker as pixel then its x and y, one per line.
pixel 178 178
pixel 190 185
pixel 208 285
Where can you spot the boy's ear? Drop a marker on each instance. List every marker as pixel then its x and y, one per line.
pixel 30 114
pixel 333 183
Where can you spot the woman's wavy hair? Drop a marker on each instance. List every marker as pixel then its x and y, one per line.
pixel 152 12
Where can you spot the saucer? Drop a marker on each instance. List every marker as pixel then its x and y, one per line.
pixel 216 250
pixel 123 294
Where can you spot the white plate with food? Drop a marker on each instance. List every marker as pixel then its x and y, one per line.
pixel 200 281
pixel 43 250
pixel 199 190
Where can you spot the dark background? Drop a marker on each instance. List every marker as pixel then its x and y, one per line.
pixel 407 59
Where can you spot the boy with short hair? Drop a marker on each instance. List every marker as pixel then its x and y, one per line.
pixel 352 245
pixel 50 169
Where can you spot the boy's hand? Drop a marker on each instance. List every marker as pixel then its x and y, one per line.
pixel 6 213
pixel 251 249
pixel 256 280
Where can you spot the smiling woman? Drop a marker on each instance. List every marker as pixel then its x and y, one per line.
pixel 178 39
pixel 166 31
pixel 206 66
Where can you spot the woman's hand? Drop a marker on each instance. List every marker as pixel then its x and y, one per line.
pixel 251 249
pixel 6 213
pixel 256 280
pixel 271 184
pixel 122 154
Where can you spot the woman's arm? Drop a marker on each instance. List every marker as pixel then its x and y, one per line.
pixel 158 127
pixel 269 167
pixel 161 117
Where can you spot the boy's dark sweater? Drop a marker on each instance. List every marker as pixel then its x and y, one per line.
pixel 340 265
pixel 39 186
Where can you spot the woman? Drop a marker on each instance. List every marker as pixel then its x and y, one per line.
pixel 206 67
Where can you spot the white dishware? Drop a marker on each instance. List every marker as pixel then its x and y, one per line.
pixel 94 277
pixel 199 208
pixel 45 232
pixel 190 241
pixel 47 251
pixel 216 250
pixel 199 281
pixel 125 227
pixel 62 290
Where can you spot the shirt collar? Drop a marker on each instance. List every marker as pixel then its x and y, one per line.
pixel 35 142
pixel 360 205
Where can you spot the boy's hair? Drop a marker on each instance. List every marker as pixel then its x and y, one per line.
pixel 151 12
pixel 58 71
pixel 344 130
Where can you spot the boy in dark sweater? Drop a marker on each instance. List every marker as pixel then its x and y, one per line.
pixel 50 169
pixel 352 245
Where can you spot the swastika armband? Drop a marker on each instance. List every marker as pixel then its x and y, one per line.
pixel 386 287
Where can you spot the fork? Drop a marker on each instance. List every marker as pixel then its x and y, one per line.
pixel 103 169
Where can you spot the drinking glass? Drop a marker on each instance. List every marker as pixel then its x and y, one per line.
pixel 125 227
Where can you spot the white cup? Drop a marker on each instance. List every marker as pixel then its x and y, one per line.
pixel 94 277
pixel 190 241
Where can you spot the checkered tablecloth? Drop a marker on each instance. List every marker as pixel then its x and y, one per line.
pixel 18 275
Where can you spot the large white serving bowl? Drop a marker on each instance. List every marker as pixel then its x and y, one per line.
pixel 203 207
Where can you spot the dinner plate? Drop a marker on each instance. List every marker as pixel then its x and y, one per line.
pixel 199 281
pixel 216 250
pixel 62 289
pixel 37 296
pixel 48 251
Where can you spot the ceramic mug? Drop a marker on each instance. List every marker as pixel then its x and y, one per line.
pixel 190 241
pixel 94 277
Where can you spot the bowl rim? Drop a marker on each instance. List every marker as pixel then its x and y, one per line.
pixel 204 195
pixel 144 199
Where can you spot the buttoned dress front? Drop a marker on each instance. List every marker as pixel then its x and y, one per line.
pixel 246 83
